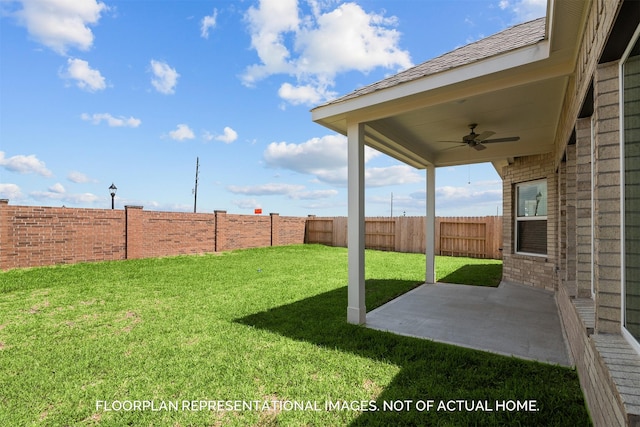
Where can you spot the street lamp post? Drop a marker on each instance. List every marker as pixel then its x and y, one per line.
pixel 112 191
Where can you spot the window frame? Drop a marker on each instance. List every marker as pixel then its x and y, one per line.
pixel 518 218
pixel 631 339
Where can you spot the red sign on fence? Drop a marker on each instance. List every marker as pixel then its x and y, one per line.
pixel 257 211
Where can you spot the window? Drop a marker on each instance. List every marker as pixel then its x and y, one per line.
pixel 531 218
pixel 630 138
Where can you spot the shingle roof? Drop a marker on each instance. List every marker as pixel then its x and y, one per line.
pixel 512 38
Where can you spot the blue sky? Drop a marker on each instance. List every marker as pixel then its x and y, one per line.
pixel 132 92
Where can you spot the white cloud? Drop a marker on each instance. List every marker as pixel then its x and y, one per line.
pixel 82 198
pixel 228 136
pixel 57 188
pixel 86 77
pixel 450 193
pixel 61 24
pixel 10 191
pixel 314 48
pixel 525 10
pixel 315 195
pixel 24 164
pixel 483 197
pixel 112 121
pixel 304 94
pixel 75 199
pixel 268 24
pixel 329 151
pixel 207 23
pixel 324 157
pixel 78 177
pixel 247 203
pixel 181 133
pixel 165 78
pixel 391 175
pixel 348 38
pixel 270 189
pixel 402 204
pixel 57 192
pixel 292 191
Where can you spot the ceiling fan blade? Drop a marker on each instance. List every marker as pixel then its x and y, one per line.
pixel 453 148
pixel 479 147
pixel 508 139
pixel 484 135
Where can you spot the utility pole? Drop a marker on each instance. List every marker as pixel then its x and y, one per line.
pixel 195 189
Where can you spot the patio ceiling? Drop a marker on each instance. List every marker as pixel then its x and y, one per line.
pixel 508 86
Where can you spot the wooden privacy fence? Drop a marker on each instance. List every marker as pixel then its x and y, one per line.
pixel 476 237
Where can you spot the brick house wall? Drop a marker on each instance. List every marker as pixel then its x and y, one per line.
pixel 607 206
pixel 584 220
pixel 537 271
pixel 587 242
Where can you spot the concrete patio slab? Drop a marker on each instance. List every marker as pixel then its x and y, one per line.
pixel 514 320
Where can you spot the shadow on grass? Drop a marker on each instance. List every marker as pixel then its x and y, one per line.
pixel 429 370
pixel 476 274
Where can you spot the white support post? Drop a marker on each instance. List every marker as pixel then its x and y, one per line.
pixel 431 225
pixel 356 310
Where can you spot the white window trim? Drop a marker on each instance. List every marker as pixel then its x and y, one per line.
pixel 625 333
pixel 517 219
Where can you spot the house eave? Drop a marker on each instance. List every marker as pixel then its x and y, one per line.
pixel 331 114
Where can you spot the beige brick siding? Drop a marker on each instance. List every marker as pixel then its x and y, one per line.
pixel 588 217
pixel 584 226
pixel 537 271
pixel 606 408
pixel 607 199
pixel 570 232
pixel 599 21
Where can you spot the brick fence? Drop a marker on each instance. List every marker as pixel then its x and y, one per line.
pixel 34 235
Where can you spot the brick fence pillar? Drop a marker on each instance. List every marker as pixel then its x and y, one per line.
pixel 134 232
pixel 220 231
pixel 275 229
pixel 4 233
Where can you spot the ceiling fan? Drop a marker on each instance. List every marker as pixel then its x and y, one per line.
pixel 477 140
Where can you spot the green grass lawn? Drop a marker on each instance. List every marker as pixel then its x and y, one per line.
pixel 469 271
pixel 256 326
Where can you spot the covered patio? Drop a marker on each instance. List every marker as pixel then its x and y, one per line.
pixel 493 100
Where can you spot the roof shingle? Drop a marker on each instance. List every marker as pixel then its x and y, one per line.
pixel 512 38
